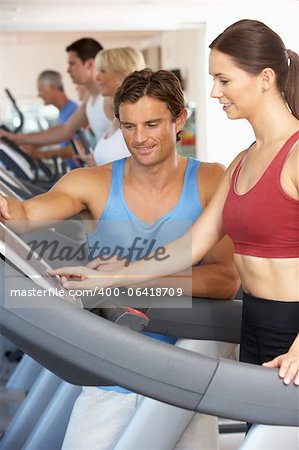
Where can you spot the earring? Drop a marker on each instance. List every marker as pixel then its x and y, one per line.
pixel 263 90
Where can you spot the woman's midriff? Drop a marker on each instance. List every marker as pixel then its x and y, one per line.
pixel 273 279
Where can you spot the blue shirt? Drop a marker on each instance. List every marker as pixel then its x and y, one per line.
pixel 69 108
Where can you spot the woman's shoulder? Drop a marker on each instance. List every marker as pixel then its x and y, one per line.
pixel 238 159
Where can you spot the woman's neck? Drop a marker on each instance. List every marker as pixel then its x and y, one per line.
pixel 273 122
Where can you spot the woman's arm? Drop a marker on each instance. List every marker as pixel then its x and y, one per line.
pixel 175 257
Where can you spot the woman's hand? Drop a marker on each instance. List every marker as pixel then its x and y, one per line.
pixel 288 364
pixel 82 277
pixel 113 264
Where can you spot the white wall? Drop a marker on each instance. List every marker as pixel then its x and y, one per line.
pixel 225 138
pixel 185 50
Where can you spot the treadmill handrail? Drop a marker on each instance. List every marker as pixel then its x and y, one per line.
pixel 85 349
pixel 19 112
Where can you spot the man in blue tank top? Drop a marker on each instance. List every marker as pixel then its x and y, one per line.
pixel 153 197
pixel 156 195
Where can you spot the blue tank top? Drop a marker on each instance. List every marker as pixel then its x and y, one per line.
pixel 119 226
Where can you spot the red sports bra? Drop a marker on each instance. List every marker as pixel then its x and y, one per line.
pixel 264 221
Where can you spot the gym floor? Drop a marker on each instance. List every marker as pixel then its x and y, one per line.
pixel 230 441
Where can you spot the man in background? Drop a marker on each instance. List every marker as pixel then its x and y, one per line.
pixel 51 91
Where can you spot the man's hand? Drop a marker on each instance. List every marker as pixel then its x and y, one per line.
pixel 288 365
pixel 86 159
pixel 4 210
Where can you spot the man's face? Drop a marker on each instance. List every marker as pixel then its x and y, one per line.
pixel 78 70
pixel 46 92
pixel 149 130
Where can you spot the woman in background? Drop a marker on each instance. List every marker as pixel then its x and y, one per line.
pixel 113 66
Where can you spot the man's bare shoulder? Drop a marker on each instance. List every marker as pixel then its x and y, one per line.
pixel 91 179
pixel 211 174
pixel 91 173
pixel 209 178
pixel 88 187
pixel 211 169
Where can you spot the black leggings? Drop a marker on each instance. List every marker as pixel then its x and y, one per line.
pixel 269 328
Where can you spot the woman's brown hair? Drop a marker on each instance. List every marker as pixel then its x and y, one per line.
pixel 254 47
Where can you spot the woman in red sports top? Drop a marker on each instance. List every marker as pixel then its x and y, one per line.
pixel 257 78
pixel 257 205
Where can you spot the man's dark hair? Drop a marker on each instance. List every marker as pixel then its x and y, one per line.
pixel 162 85
pixel 85 48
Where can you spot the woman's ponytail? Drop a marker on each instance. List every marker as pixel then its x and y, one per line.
pixel 292 83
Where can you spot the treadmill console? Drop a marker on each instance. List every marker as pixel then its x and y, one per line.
pixel 16 251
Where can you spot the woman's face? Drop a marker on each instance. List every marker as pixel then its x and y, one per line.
pixel 239 92
pixel 109 81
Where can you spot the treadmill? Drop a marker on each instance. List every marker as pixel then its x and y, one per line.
pixel 58 333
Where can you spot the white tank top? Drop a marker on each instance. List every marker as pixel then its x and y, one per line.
pixel 96 116
pixel 111 149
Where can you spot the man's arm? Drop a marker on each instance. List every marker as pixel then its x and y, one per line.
pixel 53 135
pixel 69 196
pixel 217 277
